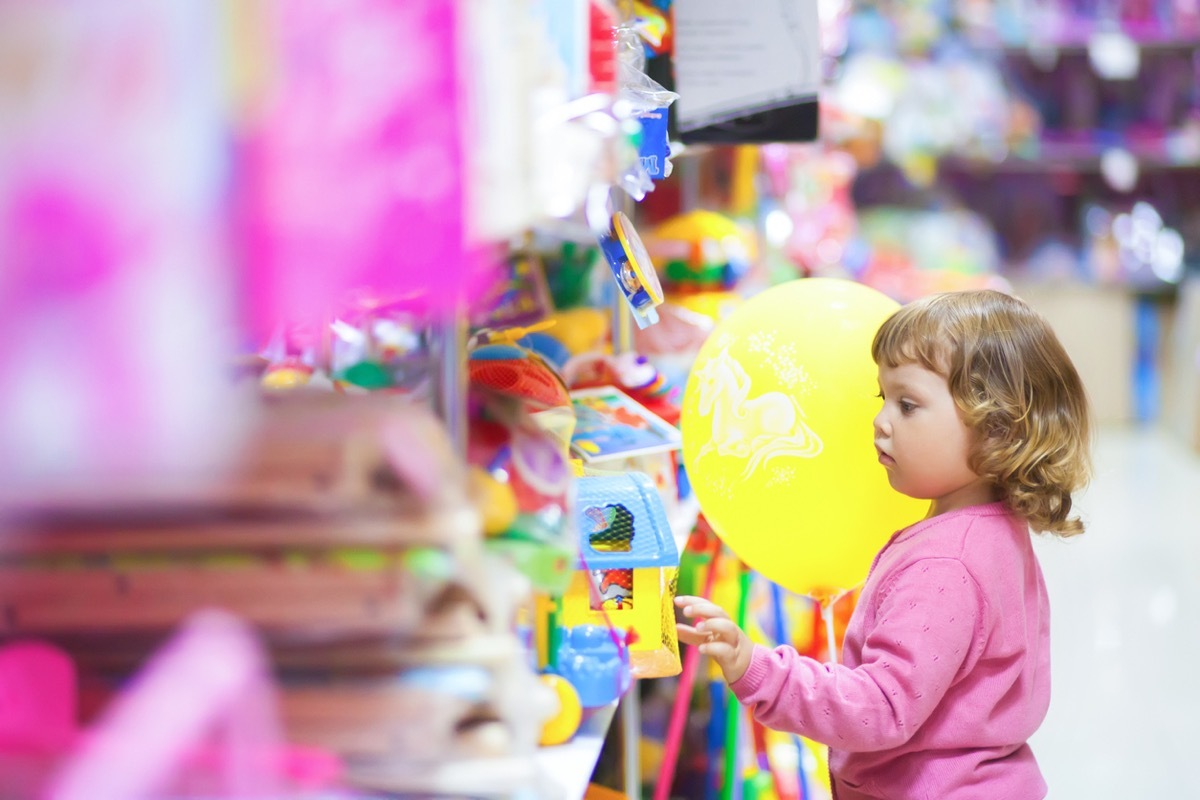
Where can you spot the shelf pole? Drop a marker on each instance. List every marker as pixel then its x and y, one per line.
pixel 631 725
pixel 449 342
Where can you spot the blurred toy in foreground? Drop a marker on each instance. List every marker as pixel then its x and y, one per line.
pixel 523 473
pixel 315 217
pixel 114 295
pixel 181 728
pixel 346 540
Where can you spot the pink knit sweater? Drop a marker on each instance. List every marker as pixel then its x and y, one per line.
pixel 945 673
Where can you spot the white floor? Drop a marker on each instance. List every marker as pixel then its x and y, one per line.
pixel 1124 717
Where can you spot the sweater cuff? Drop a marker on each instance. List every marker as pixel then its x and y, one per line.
pixel 752 680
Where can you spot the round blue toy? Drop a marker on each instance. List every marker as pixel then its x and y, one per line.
pixel 588 657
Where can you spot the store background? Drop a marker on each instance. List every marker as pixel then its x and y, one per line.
pixel 1047 146
pixel 1080 113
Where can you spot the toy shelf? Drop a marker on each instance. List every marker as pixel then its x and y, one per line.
pixel 1077 35
pixel 563 771
pixel 570 765
pixel 1049 155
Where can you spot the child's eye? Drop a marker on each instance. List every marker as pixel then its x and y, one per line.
pixel 906 407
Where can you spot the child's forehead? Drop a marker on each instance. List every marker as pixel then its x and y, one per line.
pixel 930 358
pixel 909 373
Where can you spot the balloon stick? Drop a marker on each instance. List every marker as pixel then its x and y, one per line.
pixel 733 780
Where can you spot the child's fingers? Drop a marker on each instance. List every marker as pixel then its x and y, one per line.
pixel 689 635
pixel 719 651
pixel 704 632
pixel 720 628
pixel 708 631
pixel 699 607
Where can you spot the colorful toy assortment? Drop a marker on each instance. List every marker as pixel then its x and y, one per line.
pixel 701 251
pixel 587 463
pixel 1077 106
pixel 604 610
pixel 524 422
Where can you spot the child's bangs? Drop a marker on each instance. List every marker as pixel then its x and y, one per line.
pixel 911 336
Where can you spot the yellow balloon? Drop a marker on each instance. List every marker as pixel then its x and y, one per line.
pixel 777 435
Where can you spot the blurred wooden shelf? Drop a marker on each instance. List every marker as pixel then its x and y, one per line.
pixel 305 453
pixel 206 531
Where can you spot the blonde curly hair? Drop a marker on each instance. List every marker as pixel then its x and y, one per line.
pixel 1017 390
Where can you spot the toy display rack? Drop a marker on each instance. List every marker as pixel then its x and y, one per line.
pixel 354 573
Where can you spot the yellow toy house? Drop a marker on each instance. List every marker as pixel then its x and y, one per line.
pixel 628 569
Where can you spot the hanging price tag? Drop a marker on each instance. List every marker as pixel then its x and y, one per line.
pixel 747 72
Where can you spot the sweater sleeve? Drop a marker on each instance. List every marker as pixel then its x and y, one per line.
pixel 926 626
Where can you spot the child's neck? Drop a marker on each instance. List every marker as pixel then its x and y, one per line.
pixel 977 493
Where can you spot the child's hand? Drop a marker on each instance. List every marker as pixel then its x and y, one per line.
pixel 717 636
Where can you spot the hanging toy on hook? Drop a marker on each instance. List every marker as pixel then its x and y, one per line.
pixel 631 266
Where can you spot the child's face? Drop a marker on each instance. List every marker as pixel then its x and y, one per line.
pixel 923 442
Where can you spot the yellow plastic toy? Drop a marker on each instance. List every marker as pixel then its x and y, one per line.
pixel 290 373
pixel 497 501
pixel 581 330
pixel 563 725
pixel 629 565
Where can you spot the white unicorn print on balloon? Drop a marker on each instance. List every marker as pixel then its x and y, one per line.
pixel 756 429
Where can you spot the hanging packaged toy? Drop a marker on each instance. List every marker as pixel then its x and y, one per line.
pixel 646 101
pixel 631 266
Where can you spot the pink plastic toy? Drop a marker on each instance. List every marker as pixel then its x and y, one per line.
pixel 354 172
pixel 199 720
pixel 112 284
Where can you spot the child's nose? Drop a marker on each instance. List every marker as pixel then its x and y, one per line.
pixel 882 427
